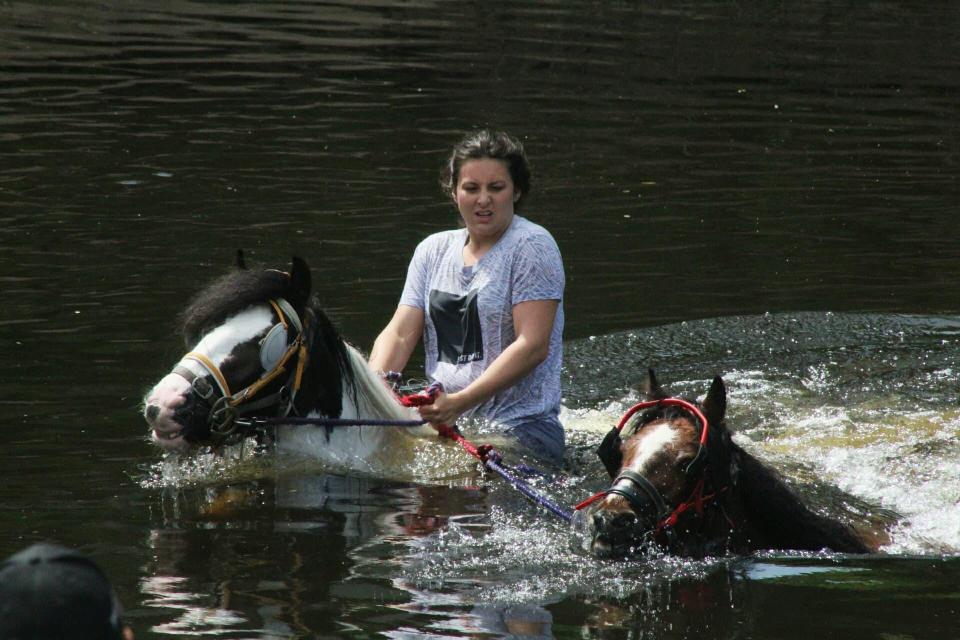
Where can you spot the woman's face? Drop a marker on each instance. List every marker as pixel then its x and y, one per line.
pixel 485 196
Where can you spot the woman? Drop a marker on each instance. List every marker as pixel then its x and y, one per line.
pixel 487 299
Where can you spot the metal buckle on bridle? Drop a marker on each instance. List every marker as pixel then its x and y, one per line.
pixel 203 389
pixel 223 420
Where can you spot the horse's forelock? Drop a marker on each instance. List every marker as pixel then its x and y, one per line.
pixel 668 412
pixel 227 296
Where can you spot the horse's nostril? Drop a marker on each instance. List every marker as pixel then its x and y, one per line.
pixel 625 520
pixel 152 412
pixel 599 520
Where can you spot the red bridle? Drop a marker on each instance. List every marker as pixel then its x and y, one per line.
pixel 697 498
pixel 669 402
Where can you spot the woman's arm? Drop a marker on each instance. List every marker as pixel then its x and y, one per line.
pixel 393 347
pixel 533 323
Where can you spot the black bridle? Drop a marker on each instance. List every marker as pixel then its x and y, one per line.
pixel 641 495
pixel 217 409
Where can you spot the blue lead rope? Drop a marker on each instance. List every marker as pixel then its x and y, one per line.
pixel 492 462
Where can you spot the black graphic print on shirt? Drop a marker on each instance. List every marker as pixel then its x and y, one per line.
pixel 457 323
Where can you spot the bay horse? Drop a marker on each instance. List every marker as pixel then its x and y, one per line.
pixel 261 346
pixel 681 484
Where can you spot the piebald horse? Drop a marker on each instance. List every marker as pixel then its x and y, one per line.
pixel 260 346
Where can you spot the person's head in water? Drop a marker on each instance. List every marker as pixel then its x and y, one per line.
pixel 49 592
pixel 495 145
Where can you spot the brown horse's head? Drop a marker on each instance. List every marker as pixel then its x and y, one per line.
pixel 657 464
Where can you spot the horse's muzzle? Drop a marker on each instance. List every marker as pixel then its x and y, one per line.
pixel 615 534
pixel 175 416
pixel 194 417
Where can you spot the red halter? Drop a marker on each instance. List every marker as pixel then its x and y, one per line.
pixel 697 498
pixel 669 402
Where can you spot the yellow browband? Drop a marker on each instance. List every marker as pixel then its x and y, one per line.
pixel 212 368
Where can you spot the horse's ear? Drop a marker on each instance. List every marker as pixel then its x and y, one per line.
pixel 241 261
pixel 715 406
pixel 652 388
pixel 300 280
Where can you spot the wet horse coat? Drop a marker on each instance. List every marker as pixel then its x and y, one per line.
pixel 697 501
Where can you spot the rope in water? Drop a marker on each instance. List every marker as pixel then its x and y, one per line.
pixel 486 454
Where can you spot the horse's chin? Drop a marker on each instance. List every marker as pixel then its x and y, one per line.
pixel 603 548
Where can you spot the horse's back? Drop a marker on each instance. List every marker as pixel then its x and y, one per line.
pixel 781 520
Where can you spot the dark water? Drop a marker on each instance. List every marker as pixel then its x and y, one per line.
pixel 762 190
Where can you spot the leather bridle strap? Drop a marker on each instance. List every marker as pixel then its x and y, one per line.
pixel 190 363
pixel 287 314
pixel 268 377
pixel 623 485
pixel 194 365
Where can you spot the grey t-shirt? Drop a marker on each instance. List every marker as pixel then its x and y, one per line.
pixel 468 313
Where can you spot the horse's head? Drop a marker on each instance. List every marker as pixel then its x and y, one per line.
pixel 249 335
pixel 658 465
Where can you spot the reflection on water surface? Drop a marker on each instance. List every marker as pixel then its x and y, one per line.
pixel 700 163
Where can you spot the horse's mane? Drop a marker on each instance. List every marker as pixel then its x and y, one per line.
pixel 372 395
pixel 228 295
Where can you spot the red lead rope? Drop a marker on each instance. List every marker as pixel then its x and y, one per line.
pixel 488 456
pixel 427 396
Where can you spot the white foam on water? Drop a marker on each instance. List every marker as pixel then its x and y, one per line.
pixel 900 458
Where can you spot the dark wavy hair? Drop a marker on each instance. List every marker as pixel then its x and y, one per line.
pixel 488 143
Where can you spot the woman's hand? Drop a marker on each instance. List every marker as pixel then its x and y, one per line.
pixel 533 322
pixel 446 408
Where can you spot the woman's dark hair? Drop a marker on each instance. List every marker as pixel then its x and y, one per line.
pixel 488 143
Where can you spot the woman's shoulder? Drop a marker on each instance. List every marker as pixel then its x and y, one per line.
pixel 527 228
pixel 435 246
pixel 532 234
pixel 439 240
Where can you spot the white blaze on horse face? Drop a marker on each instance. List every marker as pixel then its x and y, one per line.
pixel 653 442
pixel 170 393
pixel 243 327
